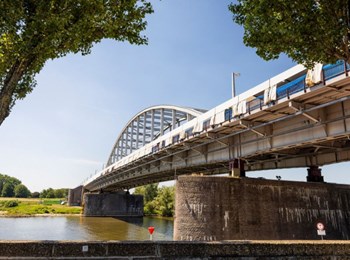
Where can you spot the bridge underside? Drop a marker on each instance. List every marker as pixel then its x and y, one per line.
pixel 301 130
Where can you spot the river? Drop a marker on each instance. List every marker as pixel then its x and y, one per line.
pixel 84 228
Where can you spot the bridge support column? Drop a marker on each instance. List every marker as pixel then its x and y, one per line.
pixel 113 204
pixel 237 168
pixel 224 208
pixel 314 174
pixel 75 196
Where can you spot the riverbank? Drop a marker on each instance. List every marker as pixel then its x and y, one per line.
pixel 18 207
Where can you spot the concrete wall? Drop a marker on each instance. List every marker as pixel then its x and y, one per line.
pixel 75 196
pixel 174 250
pixel 116 204
pixel 224 208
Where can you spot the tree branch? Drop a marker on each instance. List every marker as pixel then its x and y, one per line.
pixel 8 89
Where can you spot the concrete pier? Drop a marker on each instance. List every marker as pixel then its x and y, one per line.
pixel 75 196
pixel 226 208
pixel 116 204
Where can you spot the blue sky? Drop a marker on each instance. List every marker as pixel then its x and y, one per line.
pixel 64 131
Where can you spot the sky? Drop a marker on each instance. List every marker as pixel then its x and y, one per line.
pixel 64 131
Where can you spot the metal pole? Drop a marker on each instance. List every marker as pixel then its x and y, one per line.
pixel 234 75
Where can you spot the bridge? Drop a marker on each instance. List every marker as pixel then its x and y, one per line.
pixel 299 118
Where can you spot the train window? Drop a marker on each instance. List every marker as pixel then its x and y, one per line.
pixel 188 132
pixel 155 148
pixel 206 124
pixel 176 138
pixel 228 114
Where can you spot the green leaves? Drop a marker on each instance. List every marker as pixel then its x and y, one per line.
pixel 21 191
pixel 308 31
pixel 34 31
pixel 157 201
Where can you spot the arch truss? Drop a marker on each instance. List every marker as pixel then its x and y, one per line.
pixel 147 126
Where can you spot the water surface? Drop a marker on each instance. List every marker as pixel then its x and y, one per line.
pixel 84 228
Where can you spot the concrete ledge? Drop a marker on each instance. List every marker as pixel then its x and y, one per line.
pixel 175 250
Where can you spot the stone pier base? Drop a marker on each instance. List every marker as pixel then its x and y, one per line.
pixel 225 208
pixel 75 196
pixel 117 204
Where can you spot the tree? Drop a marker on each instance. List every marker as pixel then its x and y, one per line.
pixel 160 201
pixel 7 185
pixel 43 194
pixel 47 194
pixel 21 191
pixel 149 193
pixel 35 194
pixel 34 31
pixel 165 201
pixel 7 190
pixel 61 193
pixel 308 31
pixel 5 178
pixel 50 193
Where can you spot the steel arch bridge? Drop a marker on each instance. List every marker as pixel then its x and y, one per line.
pixel 148 125
pixel 299 118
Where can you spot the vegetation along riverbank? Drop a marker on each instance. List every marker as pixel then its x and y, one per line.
pixel 157 201
pixel 35 206
pixel 17 200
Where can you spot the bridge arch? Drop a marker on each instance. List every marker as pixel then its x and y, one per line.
pixel 148 125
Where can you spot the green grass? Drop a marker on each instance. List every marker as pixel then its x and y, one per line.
pixel 24 207
pixel 51 201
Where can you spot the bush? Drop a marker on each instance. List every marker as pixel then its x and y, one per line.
pixel 11 203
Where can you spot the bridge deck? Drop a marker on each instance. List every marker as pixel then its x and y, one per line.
pixel 297 129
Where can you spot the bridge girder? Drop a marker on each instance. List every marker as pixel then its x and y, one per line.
pixel 148 125
pixel 275 146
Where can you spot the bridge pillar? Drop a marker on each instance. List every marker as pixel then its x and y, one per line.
pixel 113 204
pixel 75 196
pixel 225 208
pixel 237 168
pixel 314 174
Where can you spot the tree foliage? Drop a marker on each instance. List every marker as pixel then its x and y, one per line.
pixel 8 190
pixel 308 31
pixel 157 201
pixel 35 194
pixel 21 191
pixel 165 201
pixel 54 193
pixel 34 31
pixel 149 192
pixel 7 185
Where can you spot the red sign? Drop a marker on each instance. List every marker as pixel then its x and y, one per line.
pixel 320 226
pixel 151 230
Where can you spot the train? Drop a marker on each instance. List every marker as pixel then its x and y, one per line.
pixel 277 89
